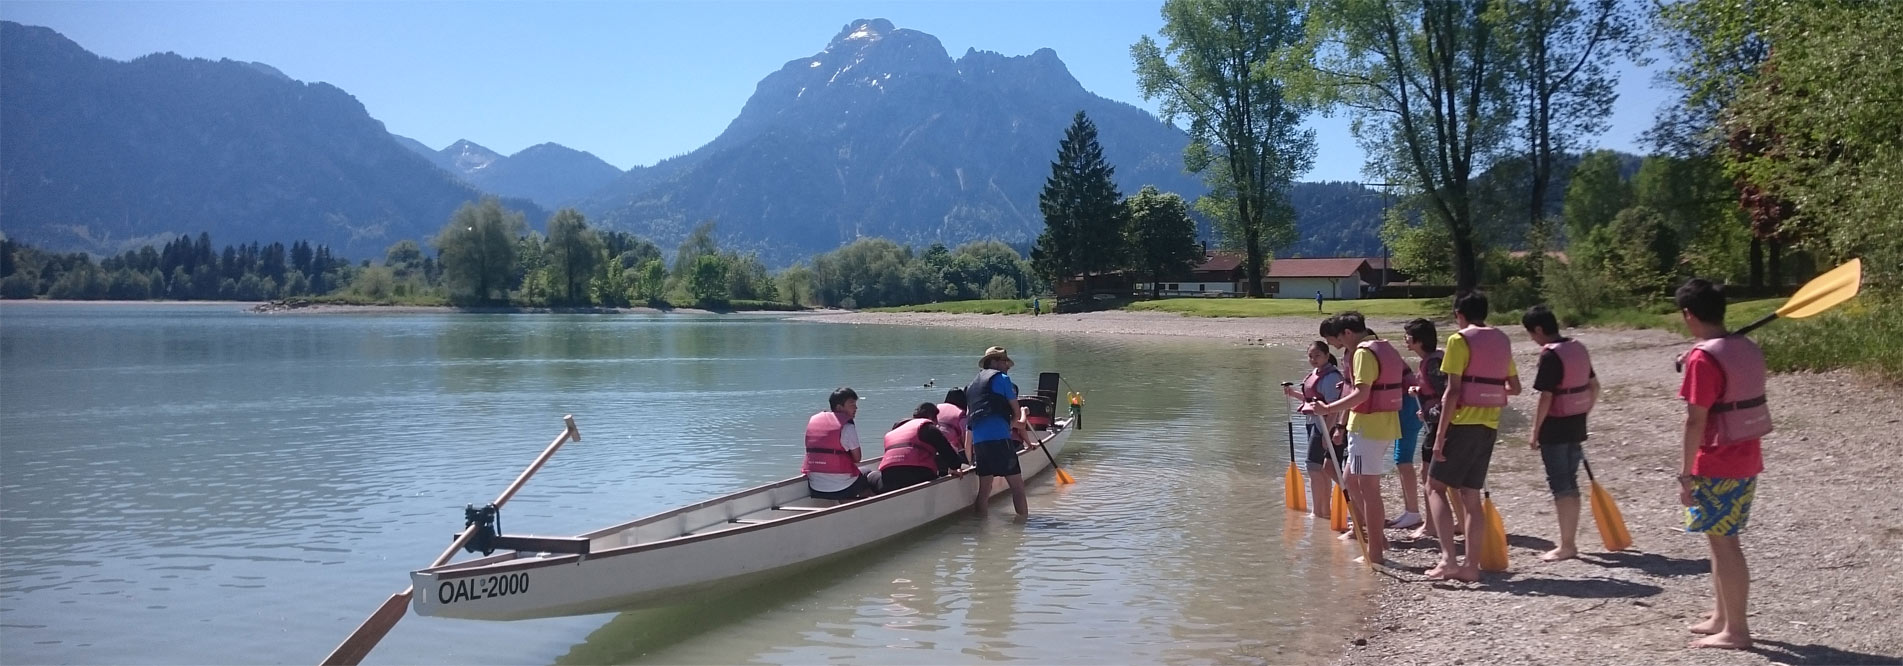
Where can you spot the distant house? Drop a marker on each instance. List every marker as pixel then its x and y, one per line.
pixel 1337 278
pixel 1220 274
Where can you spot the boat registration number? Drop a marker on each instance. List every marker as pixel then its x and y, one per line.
pixel 482 587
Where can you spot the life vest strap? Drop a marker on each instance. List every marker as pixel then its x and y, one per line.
pixel 837 452
pixel 1747 403
pixel 1386 387
pixel 1495 381
pixel 1575 389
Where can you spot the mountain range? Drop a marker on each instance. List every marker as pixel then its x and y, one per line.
pixel 880 133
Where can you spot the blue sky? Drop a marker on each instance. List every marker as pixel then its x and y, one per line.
pixel 631 82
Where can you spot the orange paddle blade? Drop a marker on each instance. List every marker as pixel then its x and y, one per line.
pixel 1493 538
pixel 1293 494
pixel 1064 477
pixel 1611 525
pixel 1338 511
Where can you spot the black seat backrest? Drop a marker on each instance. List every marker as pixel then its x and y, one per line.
pixel 1047 385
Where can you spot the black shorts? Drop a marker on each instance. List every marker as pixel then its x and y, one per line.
pixel 998 457
pixel 1428 434
pixel 1469 452
pixel 900 476
pixel 1318 447
pixel 859 488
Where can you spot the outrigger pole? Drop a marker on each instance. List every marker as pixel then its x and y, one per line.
pixel 360 642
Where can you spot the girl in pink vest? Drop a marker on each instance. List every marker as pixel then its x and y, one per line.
pixel 916 451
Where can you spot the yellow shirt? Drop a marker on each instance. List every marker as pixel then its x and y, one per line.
pixel 1372 425
pixel 1454 362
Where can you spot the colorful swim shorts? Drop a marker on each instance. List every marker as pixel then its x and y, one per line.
pixel 1720 507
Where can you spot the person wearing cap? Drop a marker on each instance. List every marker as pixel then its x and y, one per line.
pixel 832 450
pixel 992 415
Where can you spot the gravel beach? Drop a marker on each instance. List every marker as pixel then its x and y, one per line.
pixel 1823 541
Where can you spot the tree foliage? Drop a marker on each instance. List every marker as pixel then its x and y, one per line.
pixel 1162 237
pixel 1081 207
pixel 572 252
pixel 1225 67
pixel 478 248
pixel 1596 195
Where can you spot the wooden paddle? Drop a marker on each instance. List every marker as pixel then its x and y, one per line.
pixel 1606 515
pixel 1821 293
pixel 1063 477
pixel 360 642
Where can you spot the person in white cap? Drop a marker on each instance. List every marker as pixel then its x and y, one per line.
pixel 992 413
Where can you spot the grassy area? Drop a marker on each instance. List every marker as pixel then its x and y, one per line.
pixel 1295 307
pixel 995 306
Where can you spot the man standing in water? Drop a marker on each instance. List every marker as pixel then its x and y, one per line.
pixel 1480 376
pixel 991 414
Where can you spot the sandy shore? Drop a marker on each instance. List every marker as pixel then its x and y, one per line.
pixel 1825 542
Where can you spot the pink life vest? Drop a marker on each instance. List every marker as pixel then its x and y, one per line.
pixel 1574 394
pixel 903 448
pixel 1385 394
pixel 951 421
pixel 825 451
pixel 1741 414
pixel 1312 384
pixel 1489 354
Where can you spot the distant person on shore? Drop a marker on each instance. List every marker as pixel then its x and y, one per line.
pixel 1318 301
pixel 992 419
pixel 951 420
pixel 1568 388
pixel 832 450
pixel 1725 415
pixel 1480 376
pixel 1037 306
pixel 1430 384
pixel 1373 404
pixel 1322 384
pixel 916 451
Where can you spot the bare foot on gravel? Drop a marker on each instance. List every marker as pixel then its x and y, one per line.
pixel 1558 554
pixel 1464 574
pixel 1710 626
pixel 1723 641
pixel 1348 535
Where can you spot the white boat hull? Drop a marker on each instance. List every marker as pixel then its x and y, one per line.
pixel 657 560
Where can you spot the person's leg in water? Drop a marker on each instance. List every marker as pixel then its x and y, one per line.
pixel 1018 501
pixel 984 495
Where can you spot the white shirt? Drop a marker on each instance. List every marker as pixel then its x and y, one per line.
pixel 832 483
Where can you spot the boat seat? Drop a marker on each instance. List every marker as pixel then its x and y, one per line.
pixel 801 508
pixel 715 528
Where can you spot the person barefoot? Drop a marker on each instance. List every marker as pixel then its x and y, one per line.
pixel 1568 388
pixel 1373 406
pixel 1480 376
pixel 1725 415
pixel 1323 383
pixel 1430 384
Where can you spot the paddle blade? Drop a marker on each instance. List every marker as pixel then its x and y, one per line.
pixel 357 646
pixel 1611 525
pixel 1493 539
pixel 1293 494
pixel 1064 477
pixel 1338 511
pixel 1824 291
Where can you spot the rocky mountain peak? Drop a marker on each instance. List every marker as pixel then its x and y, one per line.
pixel 468 156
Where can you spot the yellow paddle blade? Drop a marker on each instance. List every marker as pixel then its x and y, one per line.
pixel 1338 512
pixel 1611 525
pixel 1493 539
pixel 1824 291
pixel 1293 494
pixel 1064 477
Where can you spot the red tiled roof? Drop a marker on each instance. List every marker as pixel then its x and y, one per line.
pixel 1220 261
pixel 1336 267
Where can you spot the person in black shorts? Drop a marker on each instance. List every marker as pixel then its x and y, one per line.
pixel 1421 339
pixel 992 419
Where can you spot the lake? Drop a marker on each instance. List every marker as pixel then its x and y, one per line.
pixel 185 483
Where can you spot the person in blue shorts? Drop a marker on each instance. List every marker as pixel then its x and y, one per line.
pixel 1411 425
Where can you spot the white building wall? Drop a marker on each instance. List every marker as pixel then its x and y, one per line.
pixel 1347 288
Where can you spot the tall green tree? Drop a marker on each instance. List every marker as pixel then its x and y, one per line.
pixel 404 258
pixel 1162 236
pixel 1225 68
pixel 478 248
pixel 1596 195
pixel 1561 67
pixel 1426 82
pixel 572 252
pixel 707 280
pixel 1082 209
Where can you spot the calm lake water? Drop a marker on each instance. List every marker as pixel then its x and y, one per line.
pixel 197 484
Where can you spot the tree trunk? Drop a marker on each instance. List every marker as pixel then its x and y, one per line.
pixel 1757 263
pixel 1776 267
pixel 1466 271
pixel 1253 254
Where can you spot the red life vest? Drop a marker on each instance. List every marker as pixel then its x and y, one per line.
pixel 1312 384
pixel 1489 354
pixel 903 448
pixel 1385 394
pixel 1574 394
pixel 1741 414
pixel 825 451
pixel 951 421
